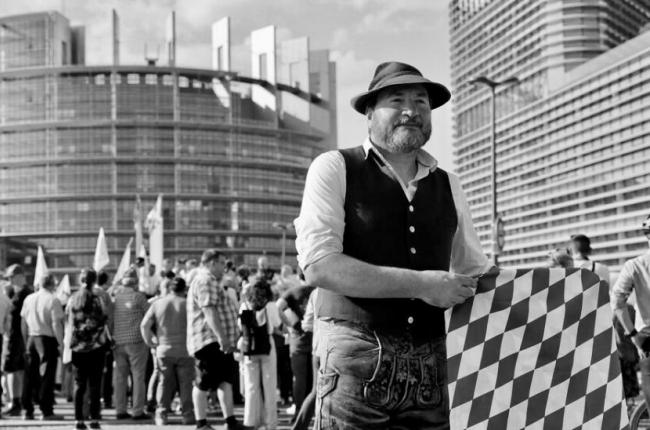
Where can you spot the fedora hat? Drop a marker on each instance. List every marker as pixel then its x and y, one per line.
pixel 394 73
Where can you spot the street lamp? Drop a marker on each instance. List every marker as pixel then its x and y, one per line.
pixel 497 243
pixel 284 228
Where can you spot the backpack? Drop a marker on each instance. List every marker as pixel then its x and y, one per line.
pixel 259 341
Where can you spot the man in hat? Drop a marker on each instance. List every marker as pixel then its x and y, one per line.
pixel 13 351
pixel 388 237
pixel 131 353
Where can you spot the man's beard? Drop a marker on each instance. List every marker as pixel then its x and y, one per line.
pixel 398 138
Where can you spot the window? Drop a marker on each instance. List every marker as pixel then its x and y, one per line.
pixel 263 66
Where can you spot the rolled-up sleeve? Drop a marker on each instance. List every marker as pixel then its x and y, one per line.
pixel 320 225
pixel 467 256
pixel 622 288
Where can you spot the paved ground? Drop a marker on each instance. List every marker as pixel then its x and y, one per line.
pixel 109 422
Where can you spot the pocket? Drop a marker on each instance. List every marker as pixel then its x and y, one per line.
pixel 326 383
pixel 377 389
pixel 429 393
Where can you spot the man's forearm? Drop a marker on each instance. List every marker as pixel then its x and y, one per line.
pixel 58 332
pixel 624 317
pixel 147 334
pixel 346 275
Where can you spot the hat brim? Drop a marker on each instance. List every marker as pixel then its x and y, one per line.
pixel 438 93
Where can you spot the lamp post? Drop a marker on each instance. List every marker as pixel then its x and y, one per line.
pixel 497 242
pixel 284 228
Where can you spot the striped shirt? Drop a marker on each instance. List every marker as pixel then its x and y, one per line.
pixel 205 291
pixel 130 307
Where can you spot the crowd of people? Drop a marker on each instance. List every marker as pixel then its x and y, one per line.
pixel 205 332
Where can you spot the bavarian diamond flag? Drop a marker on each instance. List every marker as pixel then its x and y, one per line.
pixel 535 349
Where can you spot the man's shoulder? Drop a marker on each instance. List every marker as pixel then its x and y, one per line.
pixel 202 276
pixel 328 161
pixel 640 260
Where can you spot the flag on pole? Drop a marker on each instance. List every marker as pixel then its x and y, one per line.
pixel 137 222
pixel 535 349
pixel 101 252
pixel 125 262
pixel 41 267
pixel 63 291
pixel 154 223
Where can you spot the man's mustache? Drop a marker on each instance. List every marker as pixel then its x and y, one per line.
pixel 414 122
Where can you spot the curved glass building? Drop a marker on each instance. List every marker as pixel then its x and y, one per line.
pixel 229 153
pixel 571 137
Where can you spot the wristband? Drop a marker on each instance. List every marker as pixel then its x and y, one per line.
pixel 632 333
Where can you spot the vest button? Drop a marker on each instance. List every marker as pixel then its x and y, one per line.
pixel 412 229
pixel 413 251
pixel 410 320
pixel 411 208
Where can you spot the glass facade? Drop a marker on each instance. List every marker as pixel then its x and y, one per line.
pixel 572 157
pixel 78 143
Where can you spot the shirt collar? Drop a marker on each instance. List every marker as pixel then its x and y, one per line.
pixel 422 157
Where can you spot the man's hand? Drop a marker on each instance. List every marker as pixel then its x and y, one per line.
pixel 226 346
pixel 445 289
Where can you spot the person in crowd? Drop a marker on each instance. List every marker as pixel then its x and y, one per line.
pixel 305 413
pixel 190 265
pixel 387 236
pixel 263 269
pixel 211 336
pixel 107 303
pixel 164 328
pixel 130 351
pixel 179 267
pixel 153 373
pixel 243 273
pixel 560 258
pixel 581 250
pixel 635 277
pixel 5 312
pixel 286 281
pixel 292 306
pixel 230 283
pixel 42 315
pixel 167 266
pixel 88 321
pixel 258 318
pixel 13 348
pixel 149 280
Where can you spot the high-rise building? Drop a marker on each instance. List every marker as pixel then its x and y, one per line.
pixel 228 151
pixel 572 139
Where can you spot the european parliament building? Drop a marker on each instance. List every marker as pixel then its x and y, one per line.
pixel 572 137
pixel 228 151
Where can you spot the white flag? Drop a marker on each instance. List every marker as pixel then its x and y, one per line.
pixel 101 252
pixel 137 223
pixel 154 223
pixel 63 291
pixel 124 263
pixel 41 268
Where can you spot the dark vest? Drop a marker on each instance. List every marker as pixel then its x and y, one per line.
pixel 383 228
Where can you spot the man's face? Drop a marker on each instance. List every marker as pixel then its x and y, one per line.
pixel 217 266
pixel 18 281
pixel 400 120
pixel 167 265
pixel 262 263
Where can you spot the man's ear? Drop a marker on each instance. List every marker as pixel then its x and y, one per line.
pixel 369 112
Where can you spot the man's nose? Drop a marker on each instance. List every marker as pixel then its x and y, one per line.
pixel 408 107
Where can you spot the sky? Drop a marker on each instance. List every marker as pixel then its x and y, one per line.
pixel 360 34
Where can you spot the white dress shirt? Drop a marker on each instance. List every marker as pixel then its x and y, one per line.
pixel 321 223
pixel 634 277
